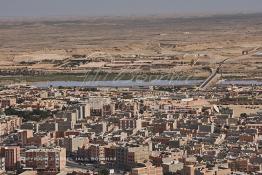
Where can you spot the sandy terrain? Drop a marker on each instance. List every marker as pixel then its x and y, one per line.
pixel 248 109
pixel 205 40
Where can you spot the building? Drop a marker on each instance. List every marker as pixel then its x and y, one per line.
pixel 7 102
pixel 24 135
pixel 239 165
pixel 30 125
pixel 29 173
pixel 206 128
pixel 83 111
pixel 109 109
pixel 97 153
pixel 73 143
pixel 38 140
pixel 9 124
pixel 149 169
pixel 189 170
pixel 127 157
pixel 48 126
pixel 2 163
pixel 51 160
pixel 12 157
pixel 110 153
pixel 172 167
pixel 130 123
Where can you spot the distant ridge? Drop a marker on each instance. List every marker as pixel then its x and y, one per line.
pixel 135 17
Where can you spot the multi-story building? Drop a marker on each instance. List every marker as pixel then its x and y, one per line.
pixel 239 165
pixel 188 170
pixel 2 159
pixel 110 153
pixel 109 109
pixel 7 102
pixel 97 153
pixel 12 157
pixel 24 135
pixel 50 160
pixel 130 123
pixel 83 111
pixel 128 156
pixel 2 163
pixel 149 169
pixel 9 124
pixel 38 140
pixel 73 143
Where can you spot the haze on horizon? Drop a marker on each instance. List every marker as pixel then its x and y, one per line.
pixel 47 8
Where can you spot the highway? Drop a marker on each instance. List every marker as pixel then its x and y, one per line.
pixel 205 84
pixel 214 76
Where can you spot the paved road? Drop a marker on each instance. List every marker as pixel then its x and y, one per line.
pixel 71 165
pixel 77 165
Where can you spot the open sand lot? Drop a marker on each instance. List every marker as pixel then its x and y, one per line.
pixel 248 109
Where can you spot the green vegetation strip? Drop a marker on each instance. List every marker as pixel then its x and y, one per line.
pixel 96 76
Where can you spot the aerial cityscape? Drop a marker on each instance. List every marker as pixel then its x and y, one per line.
pixel 155 93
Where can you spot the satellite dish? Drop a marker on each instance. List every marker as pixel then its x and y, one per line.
pixel 216 108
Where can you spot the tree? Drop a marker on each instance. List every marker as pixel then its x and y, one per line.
pixel 103 171
pixel 243 115
pixel 34 115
